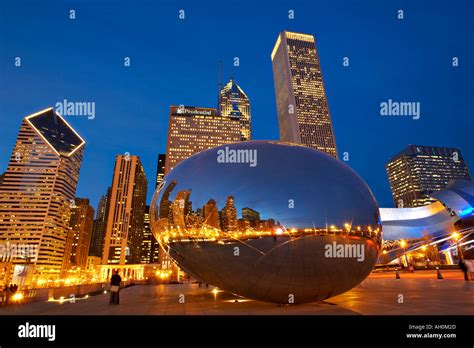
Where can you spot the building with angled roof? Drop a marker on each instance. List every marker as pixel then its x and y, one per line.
pixel 233 102
pixel 38 190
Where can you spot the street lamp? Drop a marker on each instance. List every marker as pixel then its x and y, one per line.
pixel 456 237
pixel 403 244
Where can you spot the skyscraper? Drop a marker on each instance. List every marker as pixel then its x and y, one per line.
pixel 80 234
pixel 39 188
pixel 251 215
pixel 234 103
pixel 123 237
pixel 193 129
pixel 160 169
pixel 100 225
pixel 417 171
pixel 229 215
pixel 211 214
pixel 150 247
pixel 303 112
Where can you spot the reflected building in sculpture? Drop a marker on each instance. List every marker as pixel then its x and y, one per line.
pixel 211 214
pixel 418 171
pixel 229 215
pixel 281 250
pixel 38 189
pixel 303 111
pixel 248 214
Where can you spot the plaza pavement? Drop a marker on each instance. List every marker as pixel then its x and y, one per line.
pixel 380 293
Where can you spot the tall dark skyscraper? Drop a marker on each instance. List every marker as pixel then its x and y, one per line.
pixel 417 171
pixel 39 187
pixel 100 225
pixel 80 234
pixel 124 229
pixel 160 169
pixel 234 103
pixel 150 246
pixel 303 112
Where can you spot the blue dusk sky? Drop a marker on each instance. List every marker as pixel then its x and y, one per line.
pixel 175 61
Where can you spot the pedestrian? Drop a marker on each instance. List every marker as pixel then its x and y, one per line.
pixel 470 268
pixel 463 267
pixel 4 295
pixel 9 294
pixel 115 281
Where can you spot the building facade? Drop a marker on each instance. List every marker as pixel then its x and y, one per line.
pixel 194 129
pixel 100 225
pixel 211 214
pixel 38 190
pixel 80 234
pixel 303 112
pixel 150 247
pixel 160 169
pixel 229 220
pixel 418 171
pixel 253 216
pixel 123 237
pixel 234 103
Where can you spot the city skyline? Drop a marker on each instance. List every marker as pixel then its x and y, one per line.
pixel 200 81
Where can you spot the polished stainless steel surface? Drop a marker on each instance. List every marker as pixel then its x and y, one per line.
pixel 270 221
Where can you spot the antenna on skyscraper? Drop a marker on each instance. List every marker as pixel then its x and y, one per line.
pixel 219 86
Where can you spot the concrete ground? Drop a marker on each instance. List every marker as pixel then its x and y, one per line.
pixel 380 293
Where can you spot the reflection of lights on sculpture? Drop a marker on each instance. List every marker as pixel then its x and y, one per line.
pixel 231 225
pixel 455 235
pixel 403 244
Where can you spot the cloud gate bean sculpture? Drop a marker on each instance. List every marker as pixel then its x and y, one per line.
pixel 269 221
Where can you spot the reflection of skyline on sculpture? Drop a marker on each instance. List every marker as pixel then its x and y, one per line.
pixel 199 201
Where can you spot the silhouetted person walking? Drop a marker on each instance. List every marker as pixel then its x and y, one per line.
pixel 115 281
pixel 463 267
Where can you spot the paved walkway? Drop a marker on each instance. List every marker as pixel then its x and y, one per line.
pixel 379 294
